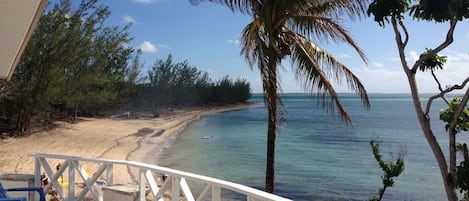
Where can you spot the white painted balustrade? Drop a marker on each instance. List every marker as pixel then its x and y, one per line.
pixel 176 182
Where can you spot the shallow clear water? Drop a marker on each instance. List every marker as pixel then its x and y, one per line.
pixel 318 157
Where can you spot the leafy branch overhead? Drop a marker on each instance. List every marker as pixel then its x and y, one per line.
pixel 432 62
pixel 430 10
pixel 383 9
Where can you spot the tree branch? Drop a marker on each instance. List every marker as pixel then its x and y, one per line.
pixel 404 28
pixel 442 93
pixel 446 43
pixel 439 85
pixel 400 45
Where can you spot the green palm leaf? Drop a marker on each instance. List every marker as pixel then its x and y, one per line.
pixel 314 68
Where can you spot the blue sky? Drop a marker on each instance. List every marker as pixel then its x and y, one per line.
pixel 207 36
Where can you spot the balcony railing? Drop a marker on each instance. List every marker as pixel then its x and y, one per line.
pixel 176 183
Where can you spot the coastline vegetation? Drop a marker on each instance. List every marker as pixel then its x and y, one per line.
pixel 75 65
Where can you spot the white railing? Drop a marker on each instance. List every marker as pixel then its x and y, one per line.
pixel 175 183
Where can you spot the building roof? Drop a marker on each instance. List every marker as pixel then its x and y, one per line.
pixel 17 21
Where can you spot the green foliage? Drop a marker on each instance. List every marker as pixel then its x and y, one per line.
pixel 462 175
pixel 430 10
pixel 447 115
pixel 180 84
pixel 226 90
pixel 433 62
pixel 383 9
pixel 441 10
pixel 73 64
pixel 390 169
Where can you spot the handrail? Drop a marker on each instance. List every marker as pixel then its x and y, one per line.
pixel 176 180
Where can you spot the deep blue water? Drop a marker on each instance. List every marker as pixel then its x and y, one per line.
pixel 318 157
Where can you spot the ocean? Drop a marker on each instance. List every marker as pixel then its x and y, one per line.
pixel 318 157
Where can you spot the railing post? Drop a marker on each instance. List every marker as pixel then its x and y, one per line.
pixel 141 184
pixel 186 191
pixel 37 175
pixel 71 181
pixel 216 193
pixel 109 174
pixel 175 188
pixel 37 172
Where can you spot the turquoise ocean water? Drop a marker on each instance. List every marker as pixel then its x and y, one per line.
pixel 318 157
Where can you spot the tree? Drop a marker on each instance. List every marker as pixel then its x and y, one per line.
pixel 392 11
pixel 390 169
pixel 181 84
pixel 99 69
pixel 72 61
pixel 286 29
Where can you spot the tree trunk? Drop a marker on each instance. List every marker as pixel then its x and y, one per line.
pixel 270 167
pixel 452 158
pixel 75 116
pixel 270 85
pixel 424 121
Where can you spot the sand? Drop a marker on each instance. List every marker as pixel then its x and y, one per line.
pixel 122 139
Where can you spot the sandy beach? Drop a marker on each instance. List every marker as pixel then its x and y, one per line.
pixel 123 139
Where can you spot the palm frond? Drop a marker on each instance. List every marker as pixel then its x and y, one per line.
pixel 313 67
pixel 243 6
pixel 254 44
pixel 255 50
pixel 336 8
pixel 323 29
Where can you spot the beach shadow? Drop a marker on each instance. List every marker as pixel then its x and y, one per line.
pixel 158 134
pixel 143 132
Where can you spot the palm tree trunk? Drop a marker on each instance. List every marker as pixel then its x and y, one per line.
pixel 270 167
pixel 270 85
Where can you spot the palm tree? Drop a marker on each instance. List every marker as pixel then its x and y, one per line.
pixel 285 29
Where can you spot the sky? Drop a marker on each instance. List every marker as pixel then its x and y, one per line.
pixel 207 36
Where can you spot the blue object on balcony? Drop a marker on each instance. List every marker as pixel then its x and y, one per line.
pixel 4 196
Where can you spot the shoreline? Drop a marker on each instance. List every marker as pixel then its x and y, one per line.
pixel 120 139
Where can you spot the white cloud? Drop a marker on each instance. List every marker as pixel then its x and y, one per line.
pixel 388 77
pixel 148 47
pixel 129 19
pixel 379 78
pixel 236 42
pixel 146 1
